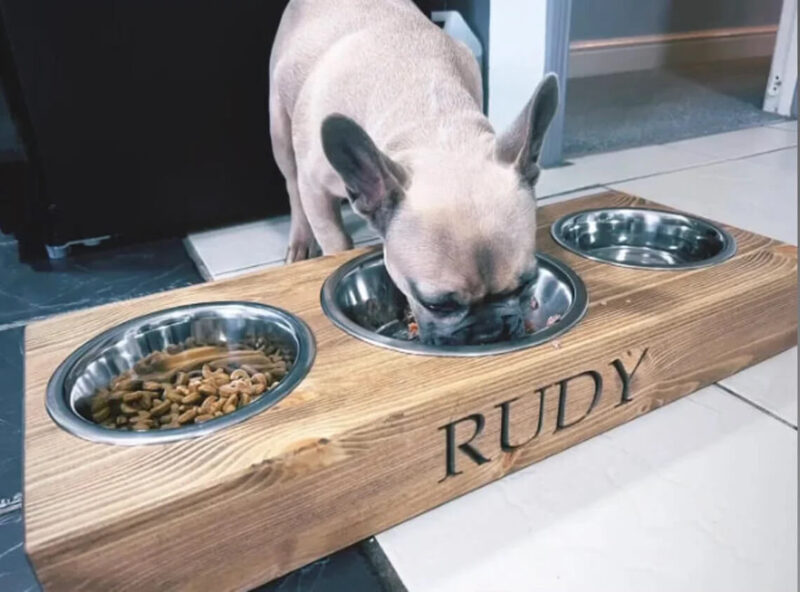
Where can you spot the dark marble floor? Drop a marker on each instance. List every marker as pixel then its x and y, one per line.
pixel 92 277
pixel 15 574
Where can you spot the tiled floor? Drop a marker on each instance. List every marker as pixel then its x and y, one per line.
pixel 91 277
pixel 700 495
pixel 637 163
pixel 230 251
pixel 771 385
pixel 11 344
pixel 15 574
pixel 634 509
pixel 234 250
pixel 637 508
pixel 751 193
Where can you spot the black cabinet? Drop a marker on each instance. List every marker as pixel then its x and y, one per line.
pixel 143 118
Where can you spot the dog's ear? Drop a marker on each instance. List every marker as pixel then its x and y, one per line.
pixel 374 182
pixel 522 143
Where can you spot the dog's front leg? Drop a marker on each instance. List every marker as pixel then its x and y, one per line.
pixel 301 238
pixel 302 244
pixel 324 214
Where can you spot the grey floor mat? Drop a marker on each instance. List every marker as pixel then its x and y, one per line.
pixel 631 109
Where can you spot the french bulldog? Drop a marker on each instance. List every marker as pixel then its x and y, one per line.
pixel 372 102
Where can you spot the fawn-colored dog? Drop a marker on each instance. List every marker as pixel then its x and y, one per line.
pixel 372 102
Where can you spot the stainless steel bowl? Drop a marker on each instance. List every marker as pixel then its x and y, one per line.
pixel 96 362
pixel 361 299
pixel 642 238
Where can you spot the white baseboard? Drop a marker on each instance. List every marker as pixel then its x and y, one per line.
pixel 626 54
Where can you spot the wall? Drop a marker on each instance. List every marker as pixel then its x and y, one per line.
pixel 602 19
pixel 518 29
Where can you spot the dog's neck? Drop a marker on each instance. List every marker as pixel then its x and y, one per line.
pixel 446 119
pixel 460 132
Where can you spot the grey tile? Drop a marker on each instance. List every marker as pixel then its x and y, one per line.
pixel 91 277
pixel 16 574
pixel 15 571
pixel 353 568
pixel 11 365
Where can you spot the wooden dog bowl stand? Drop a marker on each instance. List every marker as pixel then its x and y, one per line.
pixel 373 437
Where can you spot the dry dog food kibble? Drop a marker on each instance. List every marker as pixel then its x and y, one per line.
pixel 189 384
pixel 552 320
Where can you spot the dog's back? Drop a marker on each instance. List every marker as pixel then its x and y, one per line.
pixel 381 62
pixel 309 28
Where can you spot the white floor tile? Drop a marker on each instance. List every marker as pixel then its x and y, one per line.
pixel 245 247
pixel 790 126
pixel 549 200
pixel 698 496
pixel 250 246
pixel 622 165
pixel 260 267
pixel 737 144
pixel 757 193
pixel 610 167
pixel 772 385
pixel 225 255
pixel 783 162
pixel 237 272
pixel 241 246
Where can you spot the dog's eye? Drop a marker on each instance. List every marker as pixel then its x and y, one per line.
pixel 443 308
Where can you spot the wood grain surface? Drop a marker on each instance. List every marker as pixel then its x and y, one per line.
pixel 371 437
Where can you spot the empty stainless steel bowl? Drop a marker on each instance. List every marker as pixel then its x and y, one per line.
pixel 361 299
pixel 109 354
pixel 643 238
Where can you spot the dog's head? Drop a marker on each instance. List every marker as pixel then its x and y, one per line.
pixel 458 226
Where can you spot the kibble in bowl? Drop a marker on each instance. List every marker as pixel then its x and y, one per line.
pixel 180 373
pixel 189 384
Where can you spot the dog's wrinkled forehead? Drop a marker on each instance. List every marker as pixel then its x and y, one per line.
pixel 451 251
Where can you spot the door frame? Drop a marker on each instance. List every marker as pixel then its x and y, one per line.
pixel 527 39
pixel 780 96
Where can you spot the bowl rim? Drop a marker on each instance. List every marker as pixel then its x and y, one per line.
pixel 59 406
pixel 575 313
pixel 729 246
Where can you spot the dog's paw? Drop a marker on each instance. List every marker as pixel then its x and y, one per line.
pixel 300 250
